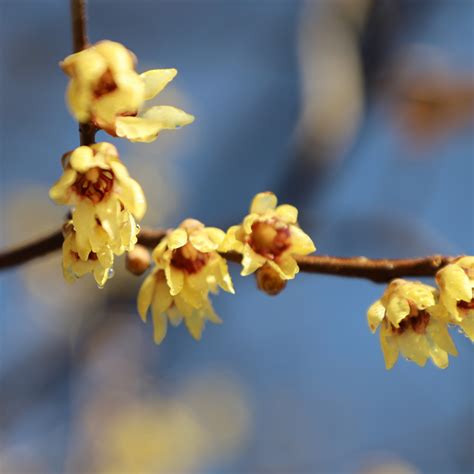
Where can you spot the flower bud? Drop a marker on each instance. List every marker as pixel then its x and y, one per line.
pixel 138 260
pixel 269 281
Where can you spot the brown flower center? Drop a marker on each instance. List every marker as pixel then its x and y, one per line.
pixel 189 259
pixel 467 305
pixel 418 323
pixel 105 85
pixel 95 184
pixel 268 240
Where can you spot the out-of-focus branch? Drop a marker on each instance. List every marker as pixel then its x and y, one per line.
pixel 376 270
pixel 87 131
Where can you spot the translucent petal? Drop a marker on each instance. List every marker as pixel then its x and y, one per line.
pixel 108 212
pixel 418 293
pixel 145 295
pixel 287 213
pixel 147 127
pixel 175 279
pixel 82 159
pixel 224 280
pixel 230 241
pixel 160 325
pixel 455 282
pixel 467 325
pixel 397 309
pixel 414 347
pixel 177 238
pixel 286 267
pixel 195 325
pixel 301 242
pixel 192 297
pixel 201 241
pixel 61 191
pixel 79 99
pixel 116 55
pixel 439 357
pixel 101 275
pixel 389 347
pixel 156 80
pixel 438 333
pixel 174 316
pixel 263 202
pixel 375 315
pixel 251 261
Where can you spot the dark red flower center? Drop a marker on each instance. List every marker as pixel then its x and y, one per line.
pixel 95 184
pixel 418 323
pixel 269 240
pixel 189 259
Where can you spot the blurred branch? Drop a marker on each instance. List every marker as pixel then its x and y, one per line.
pixel 87 131
pixel 376 270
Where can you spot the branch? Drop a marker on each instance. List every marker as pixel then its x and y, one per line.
pixel 87 131
pixel 376 270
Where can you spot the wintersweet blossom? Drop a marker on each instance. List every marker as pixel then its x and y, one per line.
pixel 409 326
pixel 98 263
pixel 456 284
pixel 106 90
pixel 269 234
pixel 105 198
pixel 188 267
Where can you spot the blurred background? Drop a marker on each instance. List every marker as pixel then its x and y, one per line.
pixel 360 112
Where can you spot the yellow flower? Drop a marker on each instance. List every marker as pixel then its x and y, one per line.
pixel 99 263
pixel 409 326
pixel 105 198
pixel 106 90
pixel 456 284
pixel 155 292
pixel 188 267
pixel 269 234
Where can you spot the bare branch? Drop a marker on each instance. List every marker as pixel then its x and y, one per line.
pixel 376 270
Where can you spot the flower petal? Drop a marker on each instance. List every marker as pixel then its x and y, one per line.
pixel 177 238
pixel 145 295
pixel 438 333
pixel 301 242
pixel 467 325
pixel 160 325
pixel 263 202
pixel 60 193
pixel 251 261
pixel 82 159
pixel 156 80
pixel 287 213
pixel 389 347
pixel 175 279
pixel 201 241
pixel 195 325
pixel 397 309
pixel 375 315
pixel 147 127
pixel 454 281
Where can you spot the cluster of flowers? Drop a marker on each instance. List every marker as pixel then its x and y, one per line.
pixel 414 317
pixel 106 91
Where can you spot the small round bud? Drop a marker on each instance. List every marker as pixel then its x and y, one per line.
pixel 138 260
pixel 269 281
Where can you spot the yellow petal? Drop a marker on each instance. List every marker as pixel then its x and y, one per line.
pixel 439 357
pixel 375 315
pixel 397 309
pixel 83 218
pixel 438 333
pixel 301 242
pixel 108 212
pixel 101 275
pixel 195 325
pixel 174 316
pixel 192 297
pixel 117 56
pixel 286 267
pixel 156 80
pixel 145 295
pixel 223 278
pixel 160 325
pixel 467 325
pixel 230 241
pixel 201 241
pixel 162 299
pixel 177 238
pixel 287 213
pixel 454 281
pixel 389 347
pixel 79 99
pixel 82 159
pixel 147 127
pixel 215 234
pixel 263 202
pixel 130 192
pixel 414 347
pixel 175 279
pixel 251 261
pixel 61 191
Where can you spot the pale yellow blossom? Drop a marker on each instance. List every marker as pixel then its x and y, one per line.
pixel 456 300
pixel 188 267
pixel 99 263
pixel 106 90
pixel 269 234
pixel 409 326
pixel 105 198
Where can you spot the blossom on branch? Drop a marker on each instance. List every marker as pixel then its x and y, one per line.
pixel 269 235
pixel 98 262
pixel 410 326
pixel 106 200
pixel 105 89
pixel 188 267
pixel 456 300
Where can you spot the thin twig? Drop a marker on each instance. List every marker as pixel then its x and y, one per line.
pixel 376 270
pixel 87 131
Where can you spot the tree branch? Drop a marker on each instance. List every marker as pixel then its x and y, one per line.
pixel 87 131
pixel 376 270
